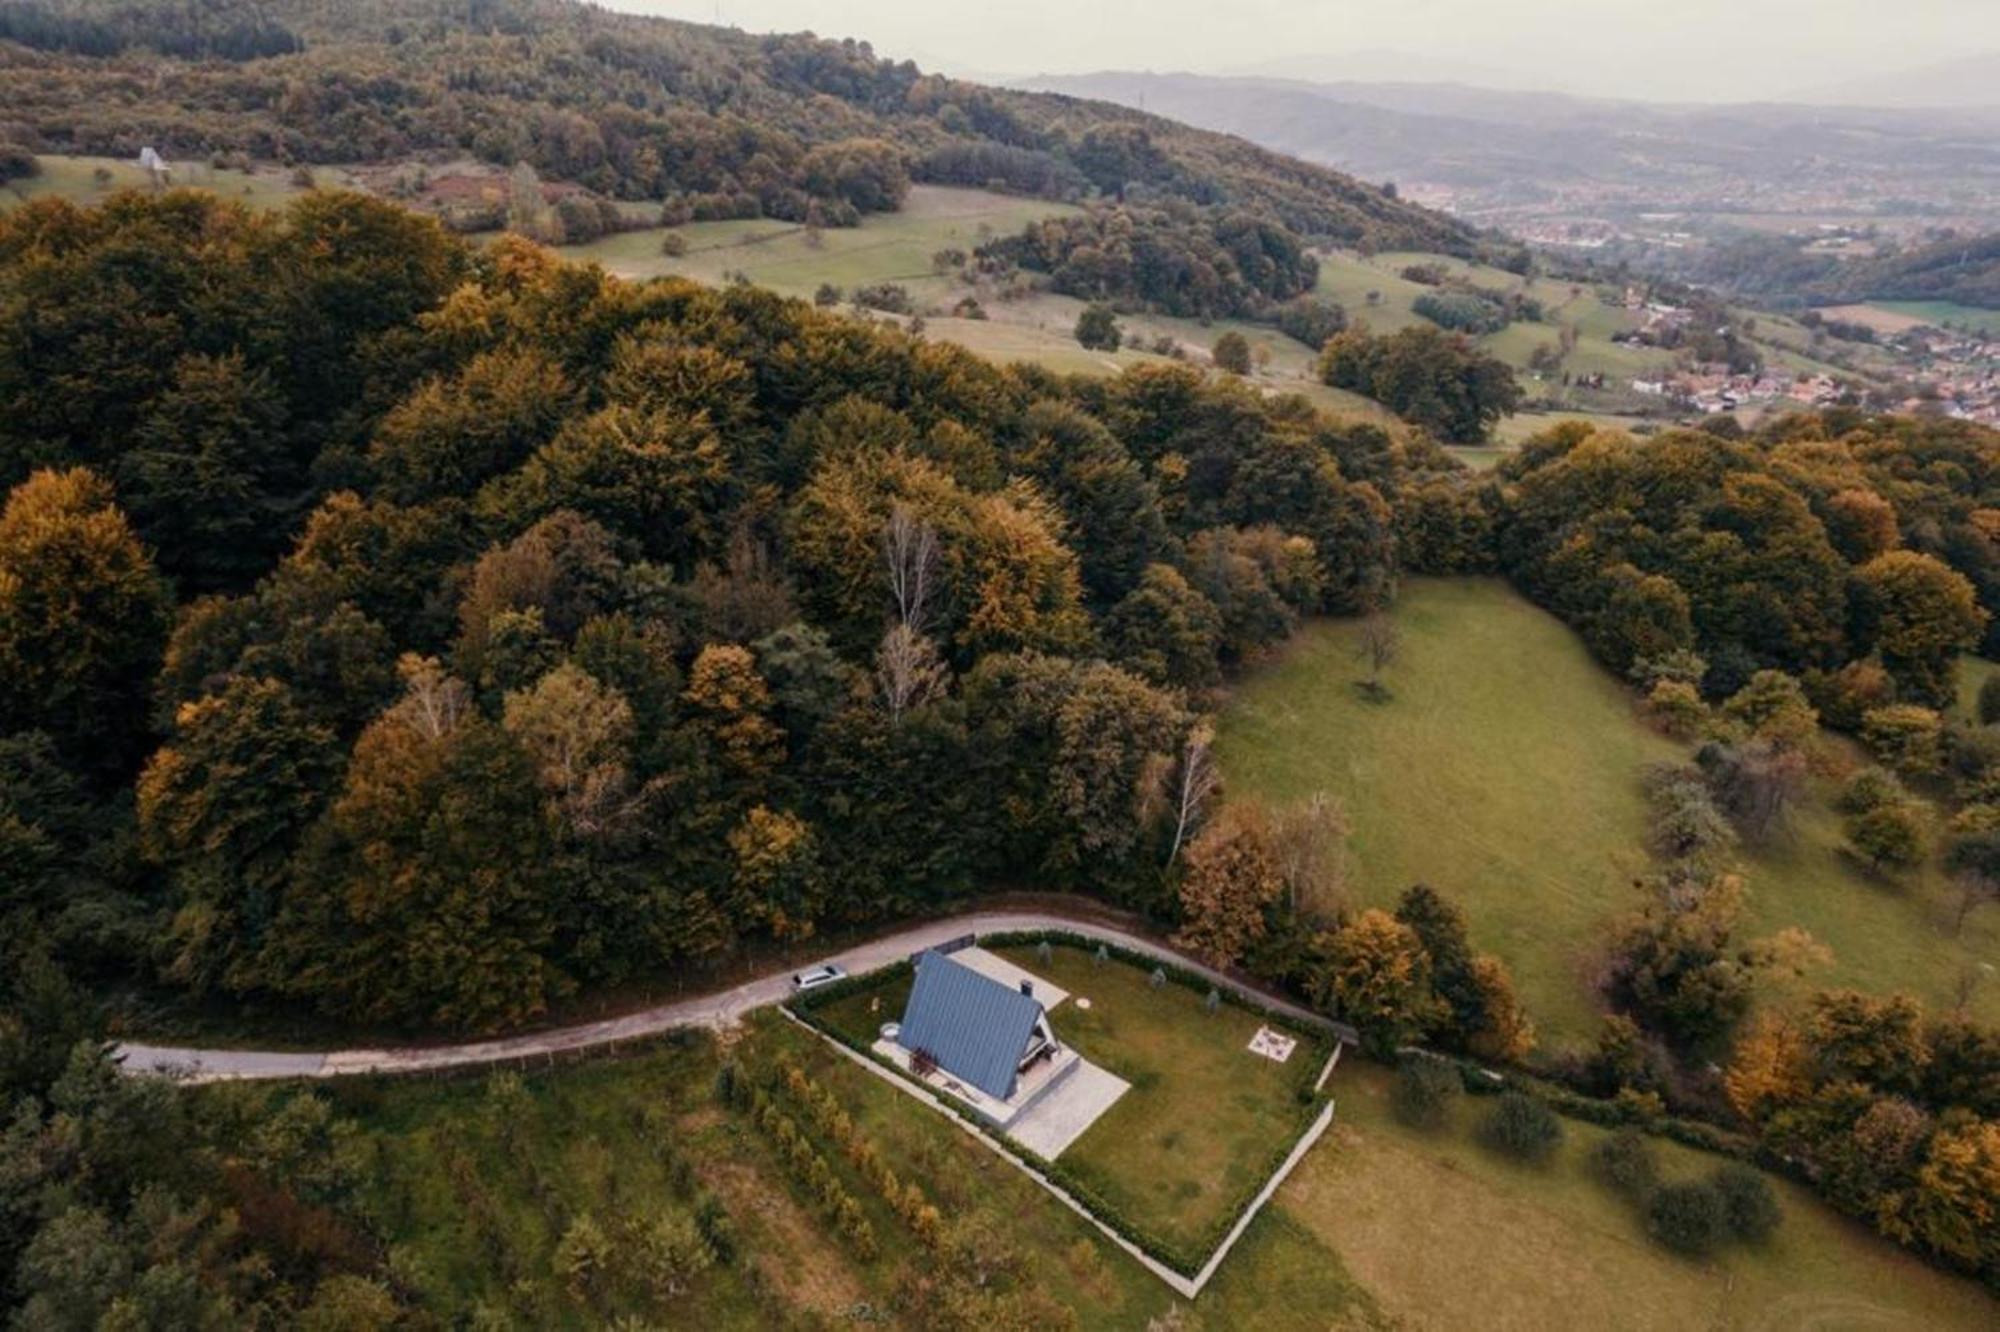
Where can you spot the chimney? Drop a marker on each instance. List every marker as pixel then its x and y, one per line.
pixel 1027 987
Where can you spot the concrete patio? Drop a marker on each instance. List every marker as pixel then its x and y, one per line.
pixel 1066 1112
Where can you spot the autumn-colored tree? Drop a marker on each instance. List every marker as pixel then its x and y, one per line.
pixel 1923 614
pixel 729 705
pixel 82 617
pixel 563 568
pixel 1906 737
pixel 453 434
pixel 1861 1038
pixel 579 733
pixel 1954 1208
pixel 1891 835
pixel 429 895
pixel 661 478
pixel 1229 881
pixel 1774 707
pixel 1505 1033
pixel 1861 524
pixel 1231 352
pixel 1674 967
pixel 1374 973
pixel 779 879
pixel 1769 1069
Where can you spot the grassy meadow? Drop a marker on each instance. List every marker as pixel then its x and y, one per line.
pixel 92 180
pixel 1445 1234
pixel 1505 771
pixel 887 247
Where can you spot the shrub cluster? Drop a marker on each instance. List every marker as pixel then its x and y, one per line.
pixel 1424 1091
pixel 1523 1127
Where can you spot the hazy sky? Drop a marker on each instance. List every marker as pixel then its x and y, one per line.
pixel 1683 49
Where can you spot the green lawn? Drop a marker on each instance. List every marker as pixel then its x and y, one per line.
pixel 1198 1132
pixel 472 1188
pixel 1445 1234
pixel 1505 772
pixel 1200 1129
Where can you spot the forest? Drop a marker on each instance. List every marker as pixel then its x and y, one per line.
pixel 423 635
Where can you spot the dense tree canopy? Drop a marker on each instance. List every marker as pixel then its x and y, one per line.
pixel 514 628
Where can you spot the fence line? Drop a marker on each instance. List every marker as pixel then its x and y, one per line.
pixel 1184 1286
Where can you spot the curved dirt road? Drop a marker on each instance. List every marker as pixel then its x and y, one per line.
pixel 717 1010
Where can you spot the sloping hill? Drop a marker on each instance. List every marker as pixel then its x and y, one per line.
pixel 631 107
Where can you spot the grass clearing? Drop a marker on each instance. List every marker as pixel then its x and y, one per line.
pixel 92 180
pixel 1351 278
pixel 1416 1215
pixel 1505 771
pixel 886 247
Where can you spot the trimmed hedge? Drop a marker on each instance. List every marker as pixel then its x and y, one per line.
pixel 1170 1255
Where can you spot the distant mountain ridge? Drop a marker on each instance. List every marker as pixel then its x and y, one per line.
pixel 1459 134
pixel 1970 81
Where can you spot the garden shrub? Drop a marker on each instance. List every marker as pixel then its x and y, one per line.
pixel 1423 1093
pixel 1689 1217
pixel 1625 1161
pixel 1750 1205
pixel 1522 1127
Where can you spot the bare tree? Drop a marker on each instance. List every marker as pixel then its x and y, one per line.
pixel 1195 782
pixel 1381 643
pixel 1757 784
pixel 908 670
pixel 433 701
pixel 910 547
pixel 1974 891
pixel 1311 840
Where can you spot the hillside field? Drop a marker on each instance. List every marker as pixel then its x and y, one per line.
pixel 1505 771
pixel 78 179
pixel 475 1179
pixel 1412 1214
pixel 1349 278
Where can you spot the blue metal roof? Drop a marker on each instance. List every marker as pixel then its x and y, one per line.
pixel 975 1027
